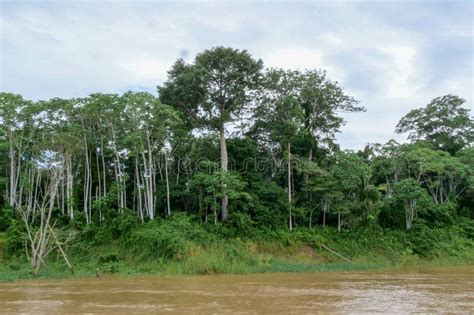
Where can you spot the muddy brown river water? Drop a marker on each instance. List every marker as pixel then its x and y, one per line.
pixel 434 290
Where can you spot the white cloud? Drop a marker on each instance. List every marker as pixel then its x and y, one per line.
pixel 399 69
pixel 294 58
pixel 146 71
pixel 332 39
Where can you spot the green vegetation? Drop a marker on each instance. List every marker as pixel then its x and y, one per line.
pixel 180 245
pixel 233 169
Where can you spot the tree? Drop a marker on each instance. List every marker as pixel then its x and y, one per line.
pixel 212 91
pixel 412 196
pixel 149 127
pixel 214 185
pixel 442 175
pixel 303 106
pixel 279 117
pixel 351 174
pixel 15 118
pixel 443 121
pixel 322 100
pixel 466 157
pixel 389 165
pixel 43 238
pixel 321 191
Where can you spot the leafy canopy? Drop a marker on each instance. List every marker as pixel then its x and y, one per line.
pixel 444 122
pixel 211 90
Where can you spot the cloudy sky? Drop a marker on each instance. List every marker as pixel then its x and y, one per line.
pixel 393 56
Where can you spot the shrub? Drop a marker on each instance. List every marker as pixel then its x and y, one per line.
pixel 122 223
pixel 6 216
pixel 15 238
pixel 422 239
pixel 167 239
pixel 239 224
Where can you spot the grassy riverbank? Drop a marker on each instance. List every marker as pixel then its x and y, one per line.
pixel 180 246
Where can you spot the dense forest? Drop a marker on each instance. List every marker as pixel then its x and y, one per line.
pixel 232 149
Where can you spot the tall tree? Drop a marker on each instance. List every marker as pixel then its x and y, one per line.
pixel 211 91
pixel 322 101
pixel 280 118
pixel 443 121
pixel 16 116
pixel 302 104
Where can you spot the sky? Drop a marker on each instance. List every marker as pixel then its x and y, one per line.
pixel 392 56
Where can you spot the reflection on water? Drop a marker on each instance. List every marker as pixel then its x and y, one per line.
pixel 440 290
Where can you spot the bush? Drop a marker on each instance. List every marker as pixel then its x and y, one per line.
pixel 441 215
pixel 239 224
pixel 422 239
pixel 270 206
pixel 167 239
pixel 6 216
pixel 122 224
pixel 15 239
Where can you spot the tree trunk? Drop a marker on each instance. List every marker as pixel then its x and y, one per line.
pixel 103 166
pixel 12 169
pixel 339 222
pixel 310 157
pixel 138 191
pixel 224 164
pixel 151 168
pixel 289 186
pixel 410 212
pixel 168 208
pixel 87 179
pixel 69 188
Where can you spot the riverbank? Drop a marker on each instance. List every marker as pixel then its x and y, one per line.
pixel 181 247
pixel 15 270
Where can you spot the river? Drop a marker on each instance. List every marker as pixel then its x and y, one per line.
pixel 433 290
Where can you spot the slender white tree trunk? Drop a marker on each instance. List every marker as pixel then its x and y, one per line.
pixel 139 189
pixel 224 167
pixel 151 169
pixel 11 153
pixel 69 188
pixel 87 181
pixel 168 207
pixel 289 187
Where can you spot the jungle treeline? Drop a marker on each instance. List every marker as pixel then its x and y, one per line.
pixel 226 142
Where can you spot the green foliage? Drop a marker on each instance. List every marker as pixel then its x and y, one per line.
pixel 6 216
pixel 16 239
pixel 167 239
pixel 443 122
pixel 239 225
pixel 269 205
pixel 218 81
pixel 213 185
pixel 423 240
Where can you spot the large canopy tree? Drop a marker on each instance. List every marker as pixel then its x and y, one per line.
pixel 444 122
pixel 211 91
pixel 299 104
